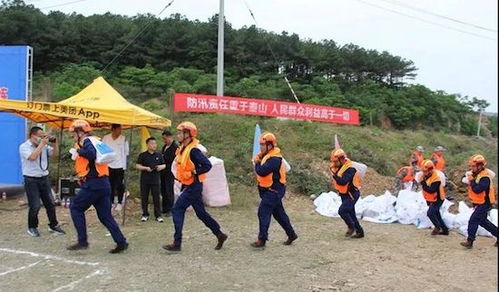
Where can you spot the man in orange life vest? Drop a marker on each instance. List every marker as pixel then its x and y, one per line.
pixel 192 167
pixel 271 178
pixel 434 194
pixel 347 183
pixel 95 190
pixel 417 158
pixel 405 179
pixel 438 158
pixel 482 194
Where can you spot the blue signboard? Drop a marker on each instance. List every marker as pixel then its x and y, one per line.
pixel 14 78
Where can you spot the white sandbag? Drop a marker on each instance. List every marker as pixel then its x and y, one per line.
pixel 105 154
pixel 327 204
pixel 360 167
pixel 465 178
pixel 463 217
pixel 381 209
pixel 215 187
pixel 286 165
pixel 409 206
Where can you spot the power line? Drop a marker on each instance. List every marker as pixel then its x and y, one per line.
pixel 136 37
pixel 426 21
pixel 273 55
pixel 439 15
pixel 62 4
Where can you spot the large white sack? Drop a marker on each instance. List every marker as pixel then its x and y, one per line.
pixel 443 179
pixel 410 206
pixel 463 217
pixel 327 204
pixel 215 187
pixel 380 209
pixel 360 167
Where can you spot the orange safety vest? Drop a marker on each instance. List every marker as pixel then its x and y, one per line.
pixel 439 161
pixel 409 176
pixel 82 166
pixel 480 197
pixel 185 166
pixel 419 158
pixel 343 190
pixel 432 197
pixel 267 181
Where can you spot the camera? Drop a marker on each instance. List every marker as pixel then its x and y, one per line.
pixel 52 139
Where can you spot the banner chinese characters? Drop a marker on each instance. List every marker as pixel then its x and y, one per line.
pixel 186 102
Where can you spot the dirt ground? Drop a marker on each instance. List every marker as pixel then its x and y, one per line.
pixel 391 257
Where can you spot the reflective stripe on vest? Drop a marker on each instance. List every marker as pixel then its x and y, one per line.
pixel 185 166
pixel 267 181
pixel 343 190
pixel 480 197
pixel 82 167
pixel 432 197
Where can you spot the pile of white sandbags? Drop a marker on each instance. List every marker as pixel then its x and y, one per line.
pixel 408 208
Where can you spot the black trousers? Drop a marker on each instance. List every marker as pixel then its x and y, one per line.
pixel 116 178
pixel 145 189
pixel 36 189
pixel 167 194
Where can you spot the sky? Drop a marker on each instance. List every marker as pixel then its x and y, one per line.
pixel 449 55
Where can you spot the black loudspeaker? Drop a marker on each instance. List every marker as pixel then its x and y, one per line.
pixel 68 186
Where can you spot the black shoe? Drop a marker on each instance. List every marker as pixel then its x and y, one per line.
pixel 33 232
pixel 77 246
pixel 358 235
pixel 172 247
pixel 258 244
pixel 119 248
pixel 221 239
pixel 290 239
pixel 57 229
pixel 444 232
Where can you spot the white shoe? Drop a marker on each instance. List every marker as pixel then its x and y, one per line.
pixel 144 218
pixel 118 207
pixel 160 220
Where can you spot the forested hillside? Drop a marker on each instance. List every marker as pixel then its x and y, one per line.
pixel 178 54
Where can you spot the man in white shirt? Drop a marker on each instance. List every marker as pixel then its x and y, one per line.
pixel 35 153
pixel 117 168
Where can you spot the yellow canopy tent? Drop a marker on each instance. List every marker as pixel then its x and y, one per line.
pixel 98 103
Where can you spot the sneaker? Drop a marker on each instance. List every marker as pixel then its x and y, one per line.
pixel 160 220
pixel 221 239
pixel 118 207
pixel 33 232
pixel 57 229
pixel 77 246
pixel 119 248
pixel 349 232
pixel 290 240
pixel 258 244
pixel 172 247
pixel 144 218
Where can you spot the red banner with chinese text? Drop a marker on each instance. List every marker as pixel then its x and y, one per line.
pixel 187 102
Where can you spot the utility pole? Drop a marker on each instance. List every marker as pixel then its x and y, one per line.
pixel 479 123
pixel 220 59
